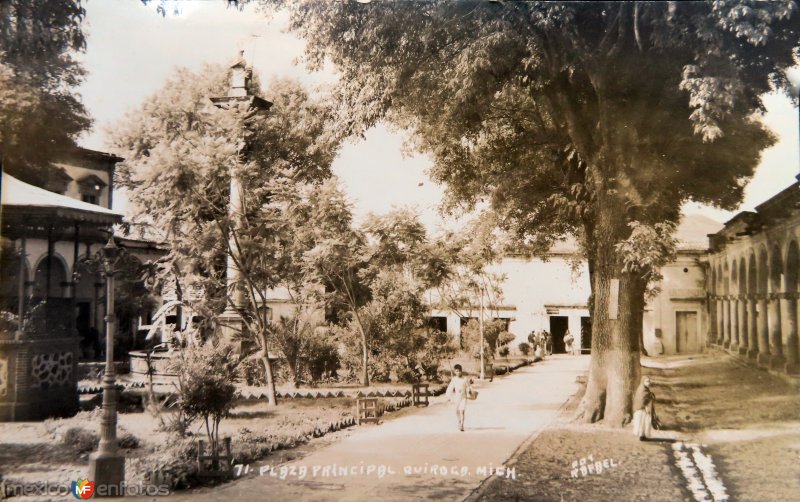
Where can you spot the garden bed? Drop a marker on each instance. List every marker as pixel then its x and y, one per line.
pixel 56 451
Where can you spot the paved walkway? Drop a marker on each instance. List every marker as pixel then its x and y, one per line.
pixel 421 455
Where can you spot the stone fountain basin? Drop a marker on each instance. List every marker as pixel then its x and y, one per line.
pixel 160 362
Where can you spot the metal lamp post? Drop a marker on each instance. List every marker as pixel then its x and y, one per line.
pixel 107 465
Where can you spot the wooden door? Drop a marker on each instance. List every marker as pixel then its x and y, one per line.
pixel 686 341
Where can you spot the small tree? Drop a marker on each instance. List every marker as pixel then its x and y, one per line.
pixel 321 360
pixel 525 348
pixel 495 336
pixel 205 389
pixel 294 337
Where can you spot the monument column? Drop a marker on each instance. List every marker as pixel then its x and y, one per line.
pixel 239 96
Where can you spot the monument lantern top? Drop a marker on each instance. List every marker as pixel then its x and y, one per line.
pixel 240 87
pixel 240 78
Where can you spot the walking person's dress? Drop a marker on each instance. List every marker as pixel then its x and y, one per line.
pixel 644 409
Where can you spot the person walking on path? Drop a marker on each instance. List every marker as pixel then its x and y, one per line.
pixel 458 391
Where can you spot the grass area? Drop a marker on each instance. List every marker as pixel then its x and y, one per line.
pixel 747 419
pixel 549 468
pixel 57 450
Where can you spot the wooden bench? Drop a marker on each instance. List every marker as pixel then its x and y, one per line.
pixel 420 394
pixel 218 465
pixel 367 410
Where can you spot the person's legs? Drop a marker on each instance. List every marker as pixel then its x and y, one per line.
pixel 460 414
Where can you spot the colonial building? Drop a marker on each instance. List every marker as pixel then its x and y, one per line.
pixel 551 294
pixel 753 286
pixel 52 298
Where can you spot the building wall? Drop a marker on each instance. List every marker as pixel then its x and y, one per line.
pixel 533 291
pixel 536 291
pixel 73 189
pixel 754 284
pixel 682 290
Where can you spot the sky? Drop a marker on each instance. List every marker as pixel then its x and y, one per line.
pixel 132 50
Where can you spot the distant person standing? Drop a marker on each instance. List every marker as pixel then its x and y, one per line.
pixel 458 391
pixel 568 341
pixel 548 340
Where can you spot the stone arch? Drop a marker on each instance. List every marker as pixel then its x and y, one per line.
pixel 58 277
pixel 741 305
pixel 752 308
pixel 726 279
pixel 790 268
pixel 776 272
pixel 742 276
pixel 776 283
pixel 713 279
pixel 752 274
pixel 763 271
pixel 762 282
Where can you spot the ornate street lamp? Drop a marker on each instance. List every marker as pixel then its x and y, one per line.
pixel 107 465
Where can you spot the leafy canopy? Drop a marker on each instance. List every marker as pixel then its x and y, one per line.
pixel 41 116
pixel 541 106
pixel 181 152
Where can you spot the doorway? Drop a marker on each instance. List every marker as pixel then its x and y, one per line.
pixel 586 335
pixel 558 328
pixel 686 332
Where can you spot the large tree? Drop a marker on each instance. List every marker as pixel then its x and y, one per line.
pixel 181 152
pixel 41 116
pixel 589 118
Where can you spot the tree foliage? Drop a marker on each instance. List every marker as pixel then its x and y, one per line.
pixel 181 154
pixel 584 118
pixel 41 116
pixel 375 278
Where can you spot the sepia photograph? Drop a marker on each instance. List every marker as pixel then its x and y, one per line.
pixel 396 250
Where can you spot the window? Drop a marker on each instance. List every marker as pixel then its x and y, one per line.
pixel 91 187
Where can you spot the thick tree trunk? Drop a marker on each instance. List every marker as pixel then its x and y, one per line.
pixel 617 310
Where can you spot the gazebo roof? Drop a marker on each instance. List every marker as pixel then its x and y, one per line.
pixel 23 200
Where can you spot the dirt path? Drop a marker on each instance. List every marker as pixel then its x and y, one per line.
pixel 420 455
